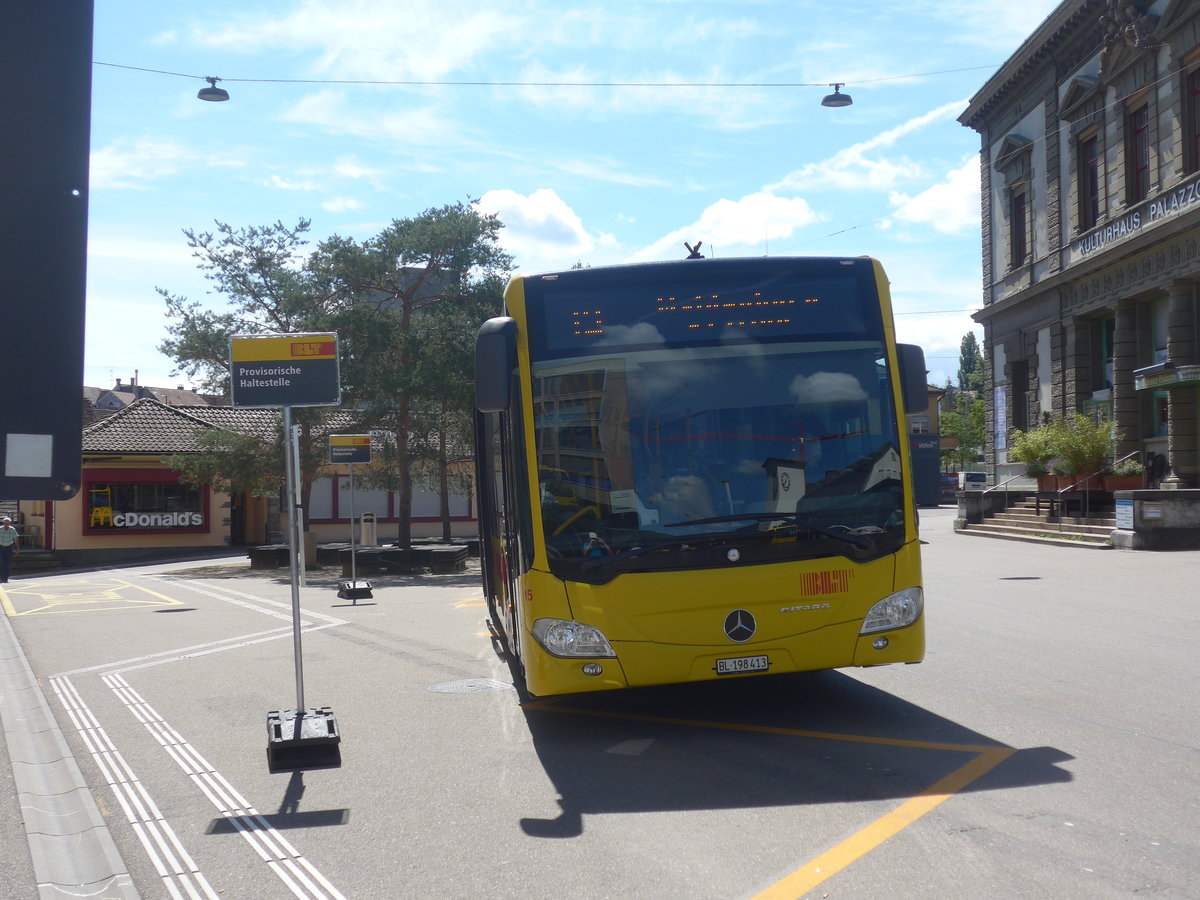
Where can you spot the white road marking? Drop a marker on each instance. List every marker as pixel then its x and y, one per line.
pixel 181 878
pixel 175 867
pixel 208 590
pixel 302 877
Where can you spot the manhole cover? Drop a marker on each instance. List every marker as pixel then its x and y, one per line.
pixel 469 686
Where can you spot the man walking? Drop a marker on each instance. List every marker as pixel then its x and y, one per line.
pixel 10 546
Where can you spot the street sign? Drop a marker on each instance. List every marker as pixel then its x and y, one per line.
pixel 349 448
pixel 284 370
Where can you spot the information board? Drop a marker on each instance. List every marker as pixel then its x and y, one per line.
pixel 284 370
pixel 349 448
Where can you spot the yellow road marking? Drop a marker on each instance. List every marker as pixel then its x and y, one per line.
pixel 858 845
pixel 79 595
pixel 549 706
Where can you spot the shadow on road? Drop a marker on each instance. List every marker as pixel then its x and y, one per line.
pixel 804 739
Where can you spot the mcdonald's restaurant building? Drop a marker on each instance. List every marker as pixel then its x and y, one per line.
pixel 1090 169
pixel 132 506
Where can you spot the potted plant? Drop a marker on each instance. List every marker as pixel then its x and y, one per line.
pixel 1084 444
pixel 1035 449
pixel 1127 475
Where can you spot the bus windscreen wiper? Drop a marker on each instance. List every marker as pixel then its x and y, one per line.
pixel 847 536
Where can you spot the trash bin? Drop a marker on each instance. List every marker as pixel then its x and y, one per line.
pixel 367 530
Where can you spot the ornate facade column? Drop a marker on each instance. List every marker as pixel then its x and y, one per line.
pixel 1125 400
pixel 1181 424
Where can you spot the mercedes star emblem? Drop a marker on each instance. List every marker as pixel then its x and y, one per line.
pixel 739 626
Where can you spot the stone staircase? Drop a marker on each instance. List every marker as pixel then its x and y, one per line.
pixel 1024 521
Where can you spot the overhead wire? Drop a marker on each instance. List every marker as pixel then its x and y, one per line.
pixel 421 82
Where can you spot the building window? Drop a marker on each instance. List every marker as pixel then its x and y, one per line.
pixel 1137 154
pixel 1191 121
pixel 1018 225
pixel 919 424
pixel 1162 417
pixel 143 506
pixel 1104 342
pixel 1158 331
pixel 1088 177
pixel 1019 378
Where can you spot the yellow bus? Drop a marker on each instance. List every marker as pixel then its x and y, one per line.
pixel 698 470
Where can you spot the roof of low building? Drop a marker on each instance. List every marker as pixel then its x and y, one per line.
pixel 150 427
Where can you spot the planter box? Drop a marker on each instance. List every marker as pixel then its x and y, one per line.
pixel 1124 482
pixel 1062 482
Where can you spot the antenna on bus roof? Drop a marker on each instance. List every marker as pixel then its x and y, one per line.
pixel 694 252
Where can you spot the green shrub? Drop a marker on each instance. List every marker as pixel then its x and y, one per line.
pixel 1083 443
pixel 1077 445
pixel 1129 467
pixel 1034 448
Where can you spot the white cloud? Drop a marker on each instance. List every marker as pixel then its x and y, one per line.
pixel 624 335
pixel 998 27
pixel 341 205
pixel 129 247
pixel 827 387
pixel 278 182
pixel 857 168
pixel 540 229
pixel 331 111
pixel 350 167
pixel 133 164
pixel 730 224
pixel 363 39
pixel 950 207
pixel 607 171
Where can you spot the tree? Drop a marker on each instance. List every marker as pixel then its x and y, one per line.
pixel 963 415
pixel 261 272
pixel 446 382
pixel 970 364
pixel 964 423
pixel 397 374
pixel 396 377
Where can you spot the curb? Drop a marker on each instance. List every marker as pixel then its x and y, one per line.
pixel 72 850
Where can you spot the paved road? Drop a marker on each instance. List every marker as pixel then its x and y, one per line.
pixel 1046 748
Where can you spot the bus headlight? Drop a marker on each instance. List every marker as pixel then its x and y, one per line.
pixel 894 611
pixel 563 638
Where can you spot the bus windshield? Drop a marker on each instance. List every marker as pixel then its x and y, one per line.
pixel 662 458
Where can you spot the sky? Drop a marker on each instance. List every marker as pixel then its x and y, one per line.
pixel 599 134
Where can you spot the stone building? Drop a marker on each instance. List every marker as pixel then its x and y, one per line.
pixel 1090 162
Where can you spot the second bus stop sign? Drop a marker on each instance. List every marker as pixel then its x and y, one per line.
pixel 284 370
pixel 349 448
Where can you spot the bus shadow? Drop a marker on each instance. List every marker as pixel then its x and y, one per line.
pixel 805 739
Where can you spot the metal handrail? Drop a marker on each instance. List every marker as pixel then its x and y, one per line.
pixel 1087 491
pixel 1003 484
pixel 1127 456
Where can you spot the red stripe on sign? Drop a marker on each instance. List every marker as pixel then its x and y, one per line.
pixel 312 348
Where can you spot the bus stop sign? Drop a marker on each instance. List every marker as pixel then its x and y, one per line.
pixel 349 448
pixel 284 370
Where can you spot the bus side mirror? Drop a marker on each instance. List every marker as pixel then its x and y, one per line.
pixel 913 385
pixel 495 359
